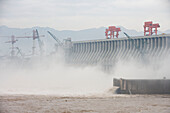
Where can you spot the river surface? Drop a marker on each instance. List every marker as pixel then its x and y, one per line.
pixel 84 104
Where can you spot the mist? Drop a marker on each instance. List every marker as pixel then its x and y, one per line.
pixel 51 75
pixel 148 68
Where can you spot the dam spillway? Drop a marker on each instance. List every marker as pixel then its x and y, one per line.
pixel 108 51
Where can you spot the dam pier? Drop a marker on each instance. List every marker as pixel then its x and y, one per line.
pixel 107 51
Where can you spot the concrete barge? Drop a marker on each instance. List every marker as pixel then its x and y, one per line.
pixel 142 86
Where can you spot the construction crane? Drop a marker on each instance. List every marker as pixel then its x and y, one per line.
pixel 127 35
pixel 131 38
pixel 112 30
pixel 12 41
pixel 35 36
pixel 148 28
pixel 56 39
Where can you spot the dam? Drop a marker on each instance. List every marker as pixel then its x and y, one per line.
pixel 108 51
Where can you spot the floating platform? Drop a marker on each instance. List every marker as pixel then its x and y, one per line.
pixel 142 86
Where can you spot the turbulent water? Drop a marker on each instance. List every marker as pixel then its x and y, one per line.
pixel 51 75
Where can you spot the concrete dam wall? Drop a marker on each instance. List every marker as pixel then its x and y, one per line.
pixel 142 86
pixel 108 51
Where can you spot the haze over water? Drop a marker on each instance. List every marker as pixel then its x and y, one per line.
pixel 51 75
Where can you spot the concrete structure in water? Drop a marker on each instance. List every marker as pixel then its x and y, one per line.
pixel 107 51
pixel 142 86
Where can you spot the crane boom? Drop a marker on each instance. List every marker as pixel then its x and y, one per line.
pixel 19 52
pixel 56 39
pixel 39 42
pixel 127 35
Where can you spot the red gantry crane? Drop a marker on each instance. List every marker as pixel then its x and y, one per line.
pixel 150 28
pixel 112 30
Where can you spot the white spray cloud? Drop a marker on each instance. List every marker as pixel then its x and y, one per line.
pixel 150 68
pixel 50 75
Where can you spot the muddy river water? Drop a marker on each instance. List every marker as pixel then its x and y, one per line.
pixel 85 104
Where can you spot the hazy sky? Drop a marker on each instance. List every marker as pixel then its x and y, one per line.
pixel 83 14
